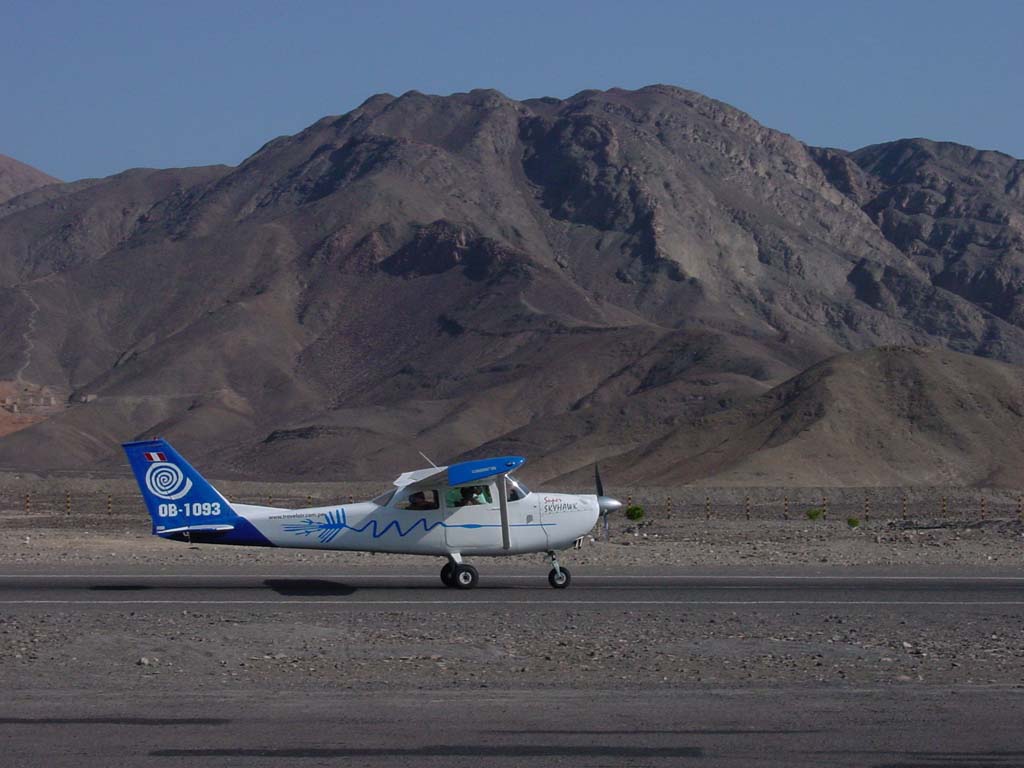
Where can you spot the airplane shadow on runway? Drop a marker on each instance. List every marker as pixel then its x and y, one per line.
pixel 309 587
pixel 293 587
pixel 286 587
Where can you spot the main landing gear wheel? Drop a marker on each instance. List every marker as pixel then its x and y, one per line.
pixel 560 578
pixel 448 575
pixel 465 576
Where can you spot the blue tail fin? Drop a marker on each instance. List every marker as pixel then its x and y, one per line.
pixel 178 498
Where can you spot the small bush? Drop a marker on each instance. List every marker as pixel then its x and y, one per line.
pixel 815 513
pixel 853 522
pixel 635 512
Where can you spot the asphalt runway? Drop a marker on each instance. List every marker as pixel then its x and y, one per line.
pixel 888 728
pixel 363 590
pixel 903 725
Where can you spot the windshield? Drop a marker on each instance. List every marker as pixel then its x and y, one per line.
pixel 516 489
pixel 384 499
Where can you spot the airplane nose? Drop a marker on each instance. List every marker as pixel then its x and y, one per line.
pixel 607 504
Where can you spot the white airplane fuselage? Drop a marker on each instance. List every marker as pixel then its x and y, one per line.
pixel 540 522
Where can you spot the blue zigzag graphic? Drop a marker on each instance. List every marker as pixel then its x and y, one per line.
pixel 335 522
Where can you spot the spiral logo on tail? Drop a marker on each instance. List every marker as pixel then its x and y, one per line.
pixel 167 481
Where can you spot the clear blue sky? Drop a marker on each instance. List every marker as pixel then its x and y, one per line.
pixel 92 88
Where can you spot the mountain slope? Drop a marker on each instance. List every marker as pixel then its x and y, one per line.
pixel 885 417
pixel 439 273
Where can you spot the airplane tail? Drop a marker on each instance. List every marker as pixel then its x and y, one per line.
pixel 181 502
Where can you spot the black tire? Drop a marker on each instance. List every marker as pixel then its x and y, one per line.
pixel 560 583
pixel 448 575
pixel 466 576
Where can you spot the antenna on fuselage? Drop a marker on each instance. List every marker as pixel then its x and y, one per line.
pixel 427 458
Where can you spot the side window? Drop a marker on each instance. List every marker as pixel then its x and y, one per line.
pixel 419 500
pixel 468 495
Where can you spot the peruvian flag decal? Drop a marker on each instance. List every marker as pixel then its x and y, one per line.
pixel 155 457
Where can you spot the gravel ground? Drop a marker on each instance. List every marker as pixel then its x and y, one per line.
pixel 258 646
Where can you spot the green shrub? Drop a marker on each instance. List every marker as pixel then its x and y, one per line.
pixel 853 522
pixel 815 513
pixel 635 512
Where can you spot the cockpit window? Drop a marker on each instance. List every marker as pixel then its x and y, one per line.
pixel 418 500
pixel 468 495
pixel 516 490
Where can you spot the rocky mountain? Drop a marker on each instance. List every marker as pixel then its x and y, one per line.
pixel 17 178
pixel 578 278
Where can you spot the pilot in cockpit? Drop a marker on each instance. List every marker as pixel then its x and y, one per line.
pixel 468 495
pixel 420 500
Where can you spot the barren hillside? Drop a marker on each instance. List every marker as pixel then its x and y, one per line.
pixel 583 277
pixel 883 417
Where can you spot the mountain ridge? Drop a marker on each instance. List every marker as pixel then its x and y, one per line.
pixel 17 178
pixel 454 270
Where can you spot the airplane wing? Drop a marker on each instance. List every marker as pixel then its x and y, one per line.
pixel 463 473
pixel 469 472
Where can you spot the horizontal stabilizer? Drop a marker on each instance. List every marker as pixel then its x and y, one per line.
pixel 195 529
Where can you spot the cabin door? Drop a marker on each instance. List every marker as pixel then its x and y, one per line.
pixel 472 518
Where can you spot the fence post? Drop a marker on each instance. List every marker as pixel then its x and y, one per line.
pixel 28 503
pixel 67 502
pixel 707 507
pixel 904 507
pixel 668 507
pixel 110 504
pixel 309 500
pixel 867 508
pixel 1020 506
pixel 748 507
pixel 824 506
pixel 943 506
pixel 785 507
pixel 983 507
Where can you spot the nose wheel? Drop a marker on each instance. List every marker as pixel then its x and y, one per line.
pixel 559 578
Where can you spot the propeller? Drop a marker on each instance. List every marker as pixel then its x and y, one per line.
pixel 605 503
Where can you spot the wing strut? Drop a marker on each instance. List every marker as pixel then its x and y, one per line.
pixel 503 506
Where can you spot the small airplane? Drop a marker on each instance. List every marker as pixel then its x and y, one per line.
pixel 470 508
